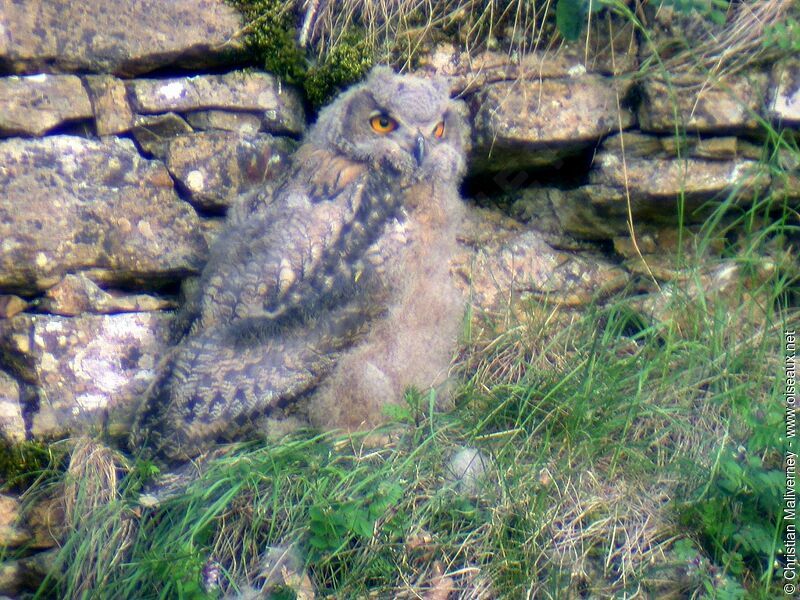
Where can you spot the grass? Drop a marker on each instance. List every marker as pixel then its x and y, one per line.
pixel 323 47
pixel 326 46
pixel 624 458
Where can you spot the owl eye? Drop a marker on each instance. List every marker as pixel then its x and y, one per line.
pixel 439 130
pixel 383 124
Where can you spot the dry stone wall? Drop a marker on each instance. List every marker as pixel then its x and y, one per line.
pixel 126 133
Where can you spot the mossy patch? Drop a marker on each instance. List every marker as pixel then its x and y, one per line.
pixel 271 42
pixel 21 464
pixel 348 38
pixel 345 64
pixel 270 39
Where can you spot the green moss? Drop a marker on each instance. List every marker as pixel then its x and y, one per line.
pixel 21 464
pixel 270 38
pixel 346 63
pixel 271 43
pixel 341 53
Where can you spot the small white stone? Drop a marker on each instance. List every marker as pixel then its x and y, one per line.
pixel 148 501
pixel 467 469
pixel 48 363
pixel 9 245
pixel 195 181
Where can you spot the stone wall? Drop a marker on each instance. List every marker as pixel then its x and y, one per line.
pixel 126 132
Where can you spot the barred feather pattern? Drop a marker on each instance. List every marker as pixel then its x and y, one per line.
pixel 328 292
pixel 286 288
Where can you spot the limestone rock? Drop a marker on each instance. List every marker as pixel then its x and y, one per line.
pixel 467 470
pixel 11 305
pixel 635 144
pixel 535 206
pixel 599 211
pixel 77 294
pixel 45 520
pixel 654 179
pixel 662 252
pixel 785 105
pixel 12 531
pixel 11 578
pixel 26 574
pixel 714 148
pixel 279 106
pixel 666 241
pixel 124 37
pixel 216 166
pixel 83 367
pixel 592 212
pixel 640 145
pixel 542 209
pixel 503 265
pixel 12 425
pixel 211 228
pixel 655 184
pixel 724 287
pixel 73 204
pixel 239 122
pixel 112 112
pixel 36 104
pixel 470 71
pixel 658 267
pixel 153 133
pixel 536 123
pixel 704 106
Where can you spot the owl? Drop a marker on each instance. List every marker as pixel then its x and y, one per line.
pixel 327 293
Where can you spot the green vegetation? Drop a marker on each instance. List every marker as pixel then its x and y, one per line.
pixel 325 47
pixel 345 63
pixel 270 37
pixel 21 464
pixel 627 455
pixel 271 42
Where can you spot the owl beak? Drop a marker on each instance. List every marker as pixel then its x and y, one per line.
pixel 419 148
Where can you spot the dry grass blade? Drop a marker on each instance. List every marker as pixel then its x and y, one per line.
pixel 740 42
pixel 92 478
pixel 405 26
pixel 91 486
pixel 630 522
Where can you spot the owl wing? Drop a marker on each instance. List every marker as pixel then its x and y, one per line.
pixel 219 382
pixel 298 247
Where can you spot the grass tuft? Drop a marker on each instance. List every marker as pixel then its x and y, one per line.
pixel 628 457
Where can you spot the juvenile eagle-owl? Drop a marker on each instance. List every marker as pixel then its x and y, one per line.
pixel 328 293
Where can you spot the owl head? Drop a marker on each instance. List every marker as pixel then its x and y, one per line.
pixel 406 125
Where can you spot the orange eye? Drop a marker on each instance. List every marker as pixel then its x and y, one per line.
pixel 383 124
pixel 439 131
